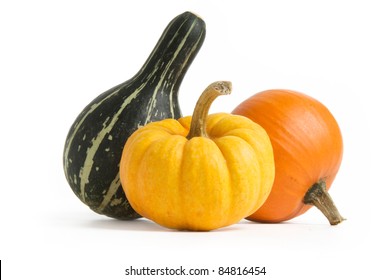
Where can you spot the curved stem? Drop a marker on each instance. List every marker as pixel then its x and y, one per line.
pixel 318 196
pixel 200 113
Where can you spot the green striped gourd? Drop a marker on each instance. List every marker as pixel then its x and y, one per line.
pixel 95 141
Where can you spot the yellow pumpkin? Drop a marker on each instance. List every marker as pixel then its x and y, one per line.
pixel 201 172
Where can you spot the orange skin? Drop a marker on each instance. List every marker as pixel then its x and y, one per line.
pixel 307 145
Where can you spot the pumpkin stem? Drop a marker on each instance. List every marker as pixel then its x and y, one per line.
pixel 318 196
pixel 200 113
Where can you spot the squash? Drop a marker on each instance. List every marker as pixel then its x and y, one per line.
pixel 95 141
pixel 201 172
pixel 308 149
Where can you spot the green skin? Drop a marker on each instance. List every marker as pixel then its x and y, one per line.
pixel 96 139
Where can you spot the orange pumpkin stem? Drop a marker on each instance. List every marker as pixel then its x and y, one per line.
pixel 318 196
pixel 200 113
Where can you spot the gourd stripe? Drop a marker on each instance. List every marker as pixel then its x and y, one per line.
pixel 153 102
pixel 78 125
pixel 113 187
pixel 91 151
pixel 194 49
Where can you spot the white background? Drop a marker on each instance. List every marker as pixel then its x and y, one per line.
pixel 56 56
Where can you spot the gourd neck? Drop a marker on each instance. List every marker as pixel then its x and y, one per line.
pixel 174 52
pixel 198 126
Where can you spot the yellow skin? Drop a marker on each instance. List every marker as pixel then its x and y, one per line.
pixel 199 184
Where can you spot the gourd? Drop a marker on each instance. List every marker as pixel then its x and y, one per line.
pixel 95 141
pixel 198 173
pixel 308 149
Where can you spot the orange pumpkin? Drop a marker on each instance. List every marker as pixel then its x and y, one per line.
pixel 308 148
